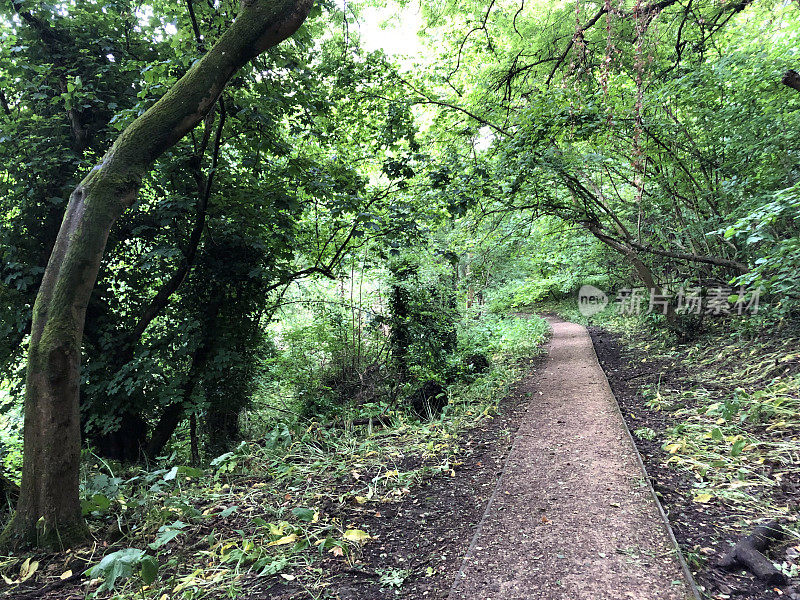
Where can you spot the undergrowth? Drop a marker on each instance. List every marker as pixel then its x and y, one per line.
pixel 271 508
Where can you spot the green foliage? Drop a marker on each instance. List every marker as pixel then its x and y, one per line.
pixel 123 564
pixel 291 158
pixel 422 316
pixel 273 507
pixel 10 435
pixel 769 232
pixel 339 233
pixel 504 337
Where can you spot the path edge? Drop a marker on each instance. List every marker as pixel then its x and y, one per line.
pixel 687 572
pixel 460 574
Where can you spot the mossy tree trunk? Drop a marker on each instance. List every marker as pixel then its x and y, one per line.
pixel 49 511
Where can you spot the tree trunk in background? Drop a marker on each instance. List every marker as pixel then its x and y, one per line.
pixel 49 512
pixel 193 442
pixel 792 79
pixel 642 270
pixel 400 336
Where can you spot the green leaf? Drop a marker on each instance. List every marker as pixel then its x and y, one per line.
pixel 117 565
pixel 303 514
pixel 737 447
pixel 149 570
pixel 190 472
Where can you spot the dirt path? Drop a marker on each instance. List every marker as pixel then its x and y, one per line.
pixel 572 516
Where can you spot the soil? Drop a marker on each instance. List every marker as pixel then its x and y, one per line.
pixel 704 531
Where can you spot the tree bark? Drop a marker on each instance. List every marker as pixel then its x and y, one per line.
pixel 49 512
pixel 792 79
pixel 642 270
pixel 749 552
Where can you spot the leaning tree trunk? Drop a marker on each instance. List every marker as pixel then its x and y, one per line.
pixel 48 512
pixel 642 270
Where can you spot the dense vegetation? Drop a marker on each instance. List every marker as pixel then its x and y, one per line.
pixel 310 291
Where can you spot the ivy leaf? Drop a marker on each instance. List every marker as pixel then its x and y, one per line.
pixel 149 570
pixel 303 514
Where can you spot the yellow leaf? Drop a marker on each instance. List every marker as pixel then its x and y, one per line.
pixel 357 536
pixel 287 539
pixel 28 569
pixel 702 498
pixel 361 499
pixel 65 575
pixel 288 577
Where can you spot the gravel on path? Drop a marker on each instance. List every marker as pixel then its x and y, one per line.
pixel 572 517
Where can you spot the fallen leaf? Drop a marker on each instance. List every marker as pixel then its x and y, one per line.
pixel 702 498
pixel 356 535
pixel 287 539
pixel 65 575
pixel 27 569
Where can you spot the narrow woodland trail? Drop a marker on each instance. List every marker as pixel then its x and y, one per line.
pixel 572 516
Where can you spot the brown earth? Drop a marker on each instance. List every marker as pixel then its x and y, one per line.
pixel 704 531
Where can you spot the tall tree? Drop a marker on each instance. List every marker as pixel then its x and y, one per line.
pixel 49 513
